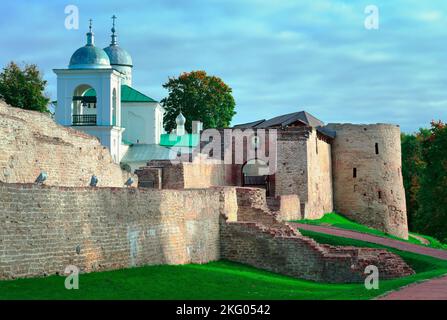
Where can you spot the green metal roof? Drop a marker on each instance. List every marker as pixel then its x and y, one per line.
pixel 128 94
pixel 148 152
pixel 187 140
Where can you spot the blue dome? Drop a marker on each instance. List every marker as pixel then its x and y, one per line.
pixel 118 56
pixel 89 57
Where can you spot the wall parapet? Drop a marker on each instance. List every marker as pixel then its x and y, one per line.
pixel 42 227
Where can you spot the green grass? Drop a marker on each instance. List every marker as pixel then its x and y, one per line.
pixel 433 243
pixel 418 262
pixel 222 279
pixel 338 221
pixel 215 280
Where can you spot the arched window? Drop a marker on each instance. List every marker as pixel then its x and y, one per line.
pixel 84 106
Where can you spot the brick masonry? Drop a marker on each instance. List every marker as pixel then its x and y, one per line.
pixel 258 239
pixel 374 195
pixel 42 228
pixel 32 142
pixel 45 228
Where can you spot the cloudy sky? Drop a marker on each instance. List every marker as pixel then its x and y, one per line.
pixel 278 56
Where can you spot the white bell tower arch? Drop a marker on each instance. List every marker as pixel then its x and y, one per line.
pixel 89 96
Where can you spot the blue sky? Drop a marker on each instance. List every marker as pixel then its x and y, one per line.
pixel 278 56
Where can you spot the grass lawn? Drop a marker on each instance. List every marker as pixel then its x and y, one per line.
pixel 221 279
pixel 215 280
pixel 338 221
pixel 418 262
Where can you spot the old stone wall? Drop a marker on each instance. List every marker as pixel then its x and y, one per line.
pixel 203 175
pixel 304 169
pixel 368 185
pixel 32 142
pixel 44 229
pixel 320 189
pixel 185 175
pixel 298 256
pixel 291 175
pixel 257 238
pixel 289 208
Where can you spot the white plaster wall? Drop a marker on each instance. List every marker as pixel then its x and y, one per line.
pixel 104 81
pixel 143 122
pixel 110 137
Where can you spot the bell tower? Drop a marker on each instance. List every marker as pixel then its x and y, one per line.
pixel 89 96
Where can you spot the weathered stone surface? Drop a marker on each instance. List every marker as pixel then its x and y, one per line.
pixel 42 226
pixel 184 175
pixel 46 228
pixel 375 196
pixel 32 142
pixel 258 239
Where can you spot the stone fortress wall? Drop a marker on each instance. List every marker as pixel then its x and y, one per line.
pixel 45 228
pixel 31 142
pixel 257 238
pixel 368 185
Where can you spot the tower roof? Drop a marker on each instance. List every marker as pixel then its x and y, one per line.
pixel 180 120
pixel 117 55
pixel 284 120
pixel 89 56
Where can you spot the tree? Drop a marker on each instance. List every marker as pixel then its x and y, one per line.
pixel 431 217
pixel 199 97
pixel 23 88
pixel 412 166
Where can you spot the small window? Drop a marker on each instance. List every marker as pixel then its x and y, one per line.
pixel 354 173
pixel 377 148
pixel 380 194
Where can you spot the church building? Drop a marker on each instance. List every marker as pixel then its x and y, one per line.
pixel 95 95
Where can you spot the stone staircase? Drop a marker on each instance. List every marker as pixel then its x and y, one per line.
pixel 259 239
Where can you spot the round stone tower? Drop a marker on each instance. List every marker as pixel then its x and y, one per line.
pixel 367 176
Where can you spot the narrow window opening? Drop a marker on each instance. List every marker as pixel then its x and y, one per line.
pixel 377 148
pixel 354 173
pixel 380 194
pixel 316 145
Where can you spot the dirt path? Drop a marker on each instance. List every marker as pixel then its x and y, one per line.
pixel 435 289
pixel 404 246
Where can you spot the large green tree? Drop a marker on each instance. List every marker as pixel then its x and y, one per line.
pixel 199 97
pixel 23 87
pixel 412 166
pixel 431 217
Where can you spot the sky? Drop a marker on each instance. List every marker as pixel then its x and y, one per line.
pixel 278 56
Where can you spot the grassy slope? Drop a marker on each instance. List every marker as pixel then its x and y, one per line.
pixel 426 267
pixel 215 280
pixel 218 280
pixel 336 220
